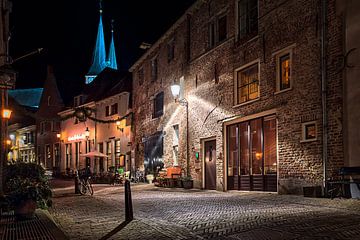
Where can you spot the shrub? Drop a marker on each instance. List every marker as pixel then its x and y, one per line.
pixel 27 181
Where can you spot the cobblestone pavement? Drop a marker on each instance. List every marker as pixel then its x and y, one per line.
pixel 162 213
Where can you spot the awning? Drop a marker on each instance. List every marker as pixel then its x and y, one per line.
pixel 94 154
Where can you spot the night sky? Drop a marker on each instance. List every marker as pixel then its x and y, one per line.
pixel 67 29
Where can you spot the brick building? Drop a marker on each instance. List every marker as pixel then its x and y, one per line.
pixel 258 77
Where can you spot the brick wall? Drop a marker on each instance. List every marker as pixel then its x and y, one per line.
pixel 209 88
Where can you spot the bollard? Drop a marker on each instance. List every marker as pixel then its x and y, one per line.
pixel 77 182
pixel 128 202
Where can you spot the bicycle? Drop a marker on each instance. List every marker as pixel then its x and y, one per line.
pixel 86 186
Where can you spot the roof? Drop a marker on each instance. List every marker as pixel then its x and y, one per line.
pixel 108 83
pixel 27 97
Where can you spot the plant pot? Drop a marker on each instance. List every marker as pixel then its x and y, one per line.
pixel 25 210
pixel 150 178
pixel 188 184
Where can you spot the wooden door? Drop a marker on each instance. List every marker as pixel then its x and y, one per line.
pixel 210 164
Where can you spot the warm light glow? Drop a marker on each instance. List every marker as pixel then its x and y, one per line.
pixel 6 113
pixel 58 135
pixel 120 124
pixel 8 142
pixel 258 155
pixel 87 132
pixel 76 137
pixel 175 90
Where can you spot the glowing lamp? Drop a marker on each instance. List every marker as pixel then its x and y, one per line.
pixel 175 90
pixel 6 113
pixel 87 132
pixel 58 135
pixel 120 125
pixel 8 142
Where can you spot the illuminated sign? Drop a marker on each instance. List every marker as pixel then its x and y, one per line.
pixel 76 137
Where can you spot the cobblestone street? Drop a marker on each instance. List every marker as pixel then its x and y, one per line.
pixel 163 213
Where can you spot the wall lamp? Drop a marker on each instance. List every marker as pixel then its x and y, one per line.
pixel 120 125
pixel 58 135
pixel 6 113
pixel 87 132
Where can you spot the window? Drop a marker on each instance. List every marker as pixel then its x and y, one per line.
pixel 42 127
pixel 217 30
pixel 158 105
pixel 247 84
pixel 283 71
pixel 108 149
pixel 309 131
pixel 222 29
pixel 141 76
pixel 55 126
pixel 68 155
pixel 117 153
pixel 247 18
pixel 171 50
pixel 176 145
pixel 154 69
pixel 114 109
pixel 107 111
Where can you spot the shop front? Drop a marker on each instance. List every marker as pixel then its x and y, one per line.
pixel 251 154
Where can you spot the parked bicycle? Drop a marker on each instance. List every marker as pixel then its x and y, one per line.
pixel 86 186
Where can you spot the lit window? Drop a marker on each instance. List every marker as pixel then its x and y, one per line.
pixel 309 132
pixel 247 84
pixel 283 69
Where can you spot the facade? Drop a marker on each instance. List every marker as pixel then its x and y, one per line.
pixel 21 138
pixel 108 100
pixel 349 12
pixel 263 109
pixel 48 124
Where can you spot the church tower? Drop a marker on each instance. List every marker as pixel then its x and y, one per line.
pixel 99 57
pixel 111 61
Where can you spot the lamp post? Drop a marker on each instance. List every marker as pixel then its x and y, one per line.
pixel 175 90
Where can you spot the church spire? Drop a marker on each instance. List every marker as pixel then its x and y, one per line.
pixel 99 54
pixel 111 61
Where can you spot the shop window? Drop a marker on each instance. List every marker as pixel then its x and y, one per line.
pixel 309 131
pixel 247 18
pixel 158 105
pixel 117 153
pixel 247 84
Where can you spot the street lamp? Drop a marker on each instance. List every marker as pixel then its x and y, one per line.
pixel 87 133
pixel 175 90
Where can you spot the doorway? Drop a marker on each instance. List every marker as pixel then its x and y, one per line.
pixel 210 164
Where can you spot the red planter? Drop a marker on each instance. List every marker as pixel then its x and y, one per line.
pixel 25 210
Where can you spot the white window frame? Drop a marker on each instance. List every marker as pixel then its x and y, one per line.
pixel 236 104
pixel 303 131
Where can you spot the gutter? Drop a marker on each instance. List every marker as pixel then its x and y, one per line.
pixel 324 92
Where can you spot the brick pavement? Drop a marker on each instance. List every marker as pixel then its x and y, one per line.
pixel 193 214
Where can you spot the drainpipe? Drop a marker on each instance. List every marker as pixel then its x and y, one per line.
pixel 323 90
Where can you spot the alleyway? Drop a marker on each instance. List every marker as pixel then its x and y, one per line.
pixel 162 213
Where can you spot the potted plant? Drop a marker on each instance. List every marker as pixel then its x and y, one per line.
pixel 187 182
pixel 27 188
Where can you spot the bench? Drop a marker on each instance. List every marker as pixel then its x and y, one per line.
pixel 169 179
pixel 340 185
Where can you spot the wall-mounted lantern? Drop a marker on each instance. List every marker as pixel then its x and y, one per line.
pixel 120 125
pixel 87 133
pixel 6 113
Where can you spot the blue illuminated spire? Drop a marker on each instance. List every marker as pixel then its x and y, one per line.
pixel 111 61
pixel 99 55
